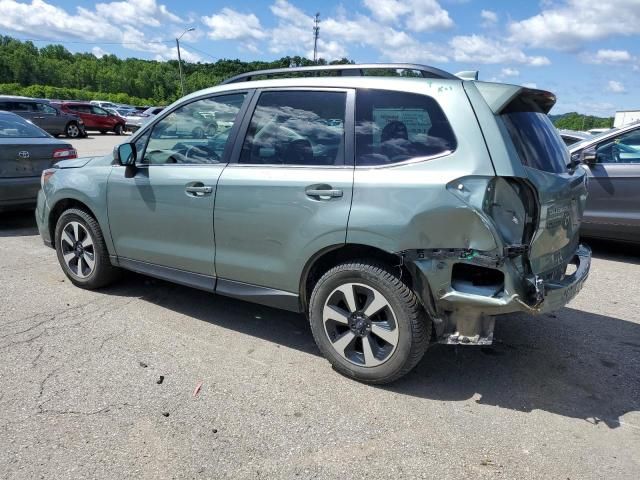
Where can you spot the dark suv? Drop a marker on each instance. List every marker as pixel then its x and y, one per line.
pixel 48 117
pixel 94 117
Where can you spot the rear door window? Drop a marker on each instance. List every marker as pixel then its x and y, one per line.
pixel 393 127
pixel 536 140
pixel 296 128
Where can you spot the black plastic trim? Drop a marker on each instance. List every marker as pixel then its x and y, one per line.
pixel 257 294
pixel 182 277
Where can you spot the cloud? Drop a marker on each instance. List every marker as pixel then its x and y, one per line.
pixel 481 49
pixel 608 57
pixel 576 22
pixel 615 87
pixel 113 22
pixel 415 15
pixel 489 18
pixel 229 24
pixel 509 72
pixel 98 52
pixel 137 12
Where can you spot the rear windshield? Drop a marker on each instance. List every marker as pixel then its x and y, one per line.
pixel 16 127
pixel 537 141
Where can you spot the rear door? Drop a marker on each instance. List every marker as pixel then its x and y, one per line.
pixel 613 204
pixel 48 119
pixel 287 193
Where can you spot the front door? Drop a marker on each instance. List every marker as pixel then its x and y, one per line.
pixel 287 193
pixel 614 188
pixel 163 213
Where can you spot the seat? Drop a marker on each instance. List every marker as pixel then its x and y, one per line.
pixel 297 152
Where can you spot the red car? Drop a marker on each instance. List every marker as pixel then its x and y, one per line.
pixel 94 117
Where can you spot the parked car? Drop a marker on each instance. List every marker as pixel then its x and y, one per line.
pixel 612 161
pixel 44 115
pixel 392 211
pixel 95 118
pixel 119 112
pixel 103 104
pixel 134 122
pixel 25 151
pixel 569 137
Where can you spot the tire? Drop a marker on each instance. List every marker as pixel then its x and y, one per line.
pixel 118 130
pixel 78 226
pixel 395 314
pixel 72 130
pixel 103 132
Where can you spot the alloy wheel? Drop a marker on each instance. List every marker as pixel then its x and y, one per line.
pixel 78 251
pixel 73 131
pixel 360 324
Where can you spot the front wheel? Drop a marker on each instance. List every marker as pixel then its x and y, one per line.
pixel 81 250
pixel 368 323
pixel 118 129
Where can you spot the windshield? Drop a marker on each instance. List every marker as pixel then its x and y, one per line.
pixel 16 127
pixel 537 141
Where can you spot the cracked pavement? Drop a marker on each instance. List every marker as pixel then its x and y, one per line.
pixel 557 396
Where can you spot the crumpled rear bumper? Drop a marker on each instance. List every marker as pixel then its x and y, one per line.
pixel 553 295
pixel 558 293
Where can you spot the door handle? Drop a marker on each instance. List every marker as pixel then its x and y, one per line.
pixel 199 191
pixel 323 193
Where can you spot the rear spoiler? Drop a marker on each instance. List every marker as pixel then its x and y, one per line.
pixel 499 96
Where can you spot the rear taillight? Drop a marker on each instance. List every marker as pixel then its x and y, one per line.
pixel 64 153
pixel 46 175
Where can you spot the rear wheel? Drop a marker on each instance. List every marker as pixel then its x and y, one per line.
pixel 118 129
pixel 72 130
pixel 368 323
pixel 81 250
pixel 103 132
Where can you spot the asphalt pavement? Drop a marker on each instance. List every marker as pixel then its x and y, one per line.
pixel 146 379
pixel 97 144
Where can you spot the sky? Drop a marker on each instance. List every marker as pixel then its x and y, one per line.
pixel 585 51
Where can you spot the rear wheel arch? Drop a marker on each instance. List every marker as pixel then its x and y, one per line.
pixel 334 255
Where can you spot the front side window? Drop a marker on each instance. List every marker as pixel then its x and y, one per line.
pixel 194 133
pixel 624 148
pixel 393 127
pixel 296 128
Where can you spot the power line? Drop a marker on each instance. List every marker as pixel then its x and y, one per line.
pixel 192 47
pixel 82 42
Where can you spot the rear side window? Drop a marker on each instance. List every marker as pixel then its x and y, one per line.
pixel 392 127
pixel 536 140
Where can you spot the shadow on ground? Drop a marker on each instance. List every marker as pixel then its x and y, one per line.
pixel 18 224
pixel 573 363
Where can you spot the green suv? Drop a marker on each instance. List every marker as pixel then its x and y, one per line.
pixel 395 211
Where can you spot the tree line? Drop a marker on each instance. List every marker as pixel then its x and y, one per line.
pixel 577 121
pixel 53 71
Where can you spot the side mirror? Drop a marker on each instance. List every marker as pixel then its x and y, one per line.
pixel 125 154
pixel 589 156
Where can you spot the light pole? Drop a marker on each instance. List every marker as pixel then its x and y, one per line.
pixel 180 59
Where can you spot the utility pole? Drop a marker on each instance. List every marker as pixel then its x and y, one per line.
pixel 180 60
pixel 316 34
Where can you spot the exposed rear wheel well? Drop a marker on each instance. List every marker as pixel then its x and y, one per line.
pixel 326 260
pixel 59 209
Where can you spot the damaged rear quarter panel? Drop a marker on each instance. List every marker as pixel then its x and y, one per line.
pixel 407 205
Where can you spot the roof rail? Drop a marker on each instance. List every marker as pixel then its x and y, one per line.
pixel 345 70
